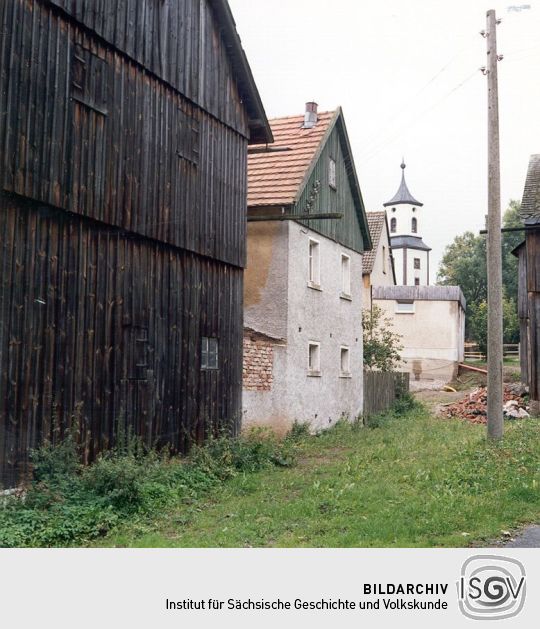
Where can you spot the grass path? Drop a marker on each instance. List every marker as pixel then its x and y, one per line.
pixel 414 480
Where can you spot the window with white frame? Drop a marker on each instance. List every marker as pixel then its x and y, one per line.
pixel 209 353
pixel 314 263
pixel 314 358
pixel 332 173
pixel 345 364
pixel 417 263
pixel 345 275
pixel 405 307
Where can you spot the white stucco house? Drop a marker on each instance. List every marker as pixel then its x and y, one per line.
pixel 307 232
pixel 378 264
pixel 431 322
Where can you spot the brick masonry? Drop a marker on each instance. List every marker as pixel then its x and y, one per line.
pixel 258 363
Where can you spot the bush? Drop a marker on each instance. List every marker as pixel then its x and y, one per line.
pixel 69 504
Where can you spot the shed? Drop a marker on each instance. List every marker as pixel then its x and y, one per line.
pixel 431 322
pixel 123 222
pixel 528 253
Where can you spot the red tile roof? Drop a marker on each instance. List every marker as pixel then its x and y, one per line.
pixel 274 178
pixel 376 222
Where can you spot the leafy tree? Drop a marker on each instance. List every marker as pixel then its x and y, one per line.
pixel 464 264
pixel 381 344
pixel 478 324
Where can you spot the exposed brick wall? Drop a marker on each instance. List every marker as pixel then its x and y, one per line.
pixel 258 363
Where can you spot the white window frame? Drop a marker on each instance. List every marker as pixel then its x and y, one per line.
pixel 405 311
pixel 419 267
pixel 345 276
pixel 209 353
pixel 314 369
pixel 314 264
pixel 344 373
pixel 332 181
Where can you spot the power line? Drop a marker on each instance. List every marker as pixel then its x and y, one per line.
pixel 378 147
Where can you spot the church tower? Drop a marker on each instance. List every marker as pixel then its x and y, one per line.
pixel 411 254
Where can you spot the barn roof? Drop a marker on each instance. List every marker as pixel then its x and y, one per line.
pixel 530 204
pixel 276 177
pixel 420 293
pixel 403 195
pixel 376 223
pixel 259 127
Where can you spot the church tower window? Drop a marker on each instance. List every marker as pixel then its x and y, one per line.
pixel 414 225
pixel 393 225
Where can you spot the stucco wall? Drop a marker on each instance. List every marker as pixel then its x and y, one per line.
pixel 312 315
pixel 378 276
pixel 265 278
pixel 433 339
pixel 412 273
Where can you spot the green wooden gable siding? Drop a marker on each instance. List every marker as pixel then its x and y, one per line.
pixel 350 230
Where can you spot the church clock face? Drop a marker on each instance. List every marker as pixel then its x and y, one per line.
pixel 411 254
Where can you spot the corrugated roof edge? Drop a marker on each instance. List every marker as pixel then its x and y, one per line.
pixel 421 293
pixel 260 132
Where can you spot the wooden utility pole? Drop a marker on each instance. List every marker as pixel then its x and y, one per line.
pixel 495 425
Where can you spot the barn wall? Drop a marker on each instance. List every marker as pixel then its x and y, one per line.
pixel 177 40
pixel 87 129
pixel 82 306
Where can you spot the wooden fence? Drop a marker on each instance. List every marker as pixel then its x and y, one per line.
pixel 472 352
pixel 382 389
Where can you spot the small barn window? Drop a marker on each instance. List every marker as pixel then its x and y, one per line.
pixel 314 263
pixel 314 359
pixel 414 225
pixel 417 263
pixel 187 137
pixel 345 364
pixel 332 173
pixel 209 353
pixel 89 79
pixel 345 275
pixel 393 225
pixel 138 353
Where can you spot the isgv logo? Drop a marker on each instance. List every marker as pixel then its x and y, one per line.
pixel 491 587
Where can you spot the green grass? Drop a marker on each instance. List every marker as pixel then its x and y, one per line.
pixel 412 481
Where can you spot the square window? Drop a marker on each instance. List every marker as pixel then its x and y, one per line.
pixel 314 263
pixel 417 263
pixel 345 275
pixel 332 173
pixel 314 358
pixel 345 366
pixel 405 307
pixel 209 353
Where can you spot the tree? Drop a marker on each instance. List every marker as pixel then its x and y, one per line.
pixel 381 344
pixel 464 265
pixel 478 324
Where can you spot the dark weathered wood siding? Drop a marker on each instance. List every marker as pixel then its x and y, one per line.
pixel 125 148
pixel 122 224
pixel 350 230
pixel 533 296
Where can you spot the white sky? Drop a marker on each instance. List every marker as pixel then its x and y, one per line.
pixel 406 74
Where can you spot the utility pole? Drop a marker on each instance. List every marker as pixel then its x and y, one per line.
pixel 495 426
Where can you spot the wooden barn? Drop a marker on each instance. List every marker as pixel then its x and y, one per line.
pixel 124 130
pixel 528 253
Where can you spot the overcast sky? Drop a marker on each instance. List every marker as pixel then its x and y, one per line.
pixel 407 76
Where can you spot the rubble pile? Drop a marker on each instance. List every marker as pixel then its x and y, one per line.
pixel 473 407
